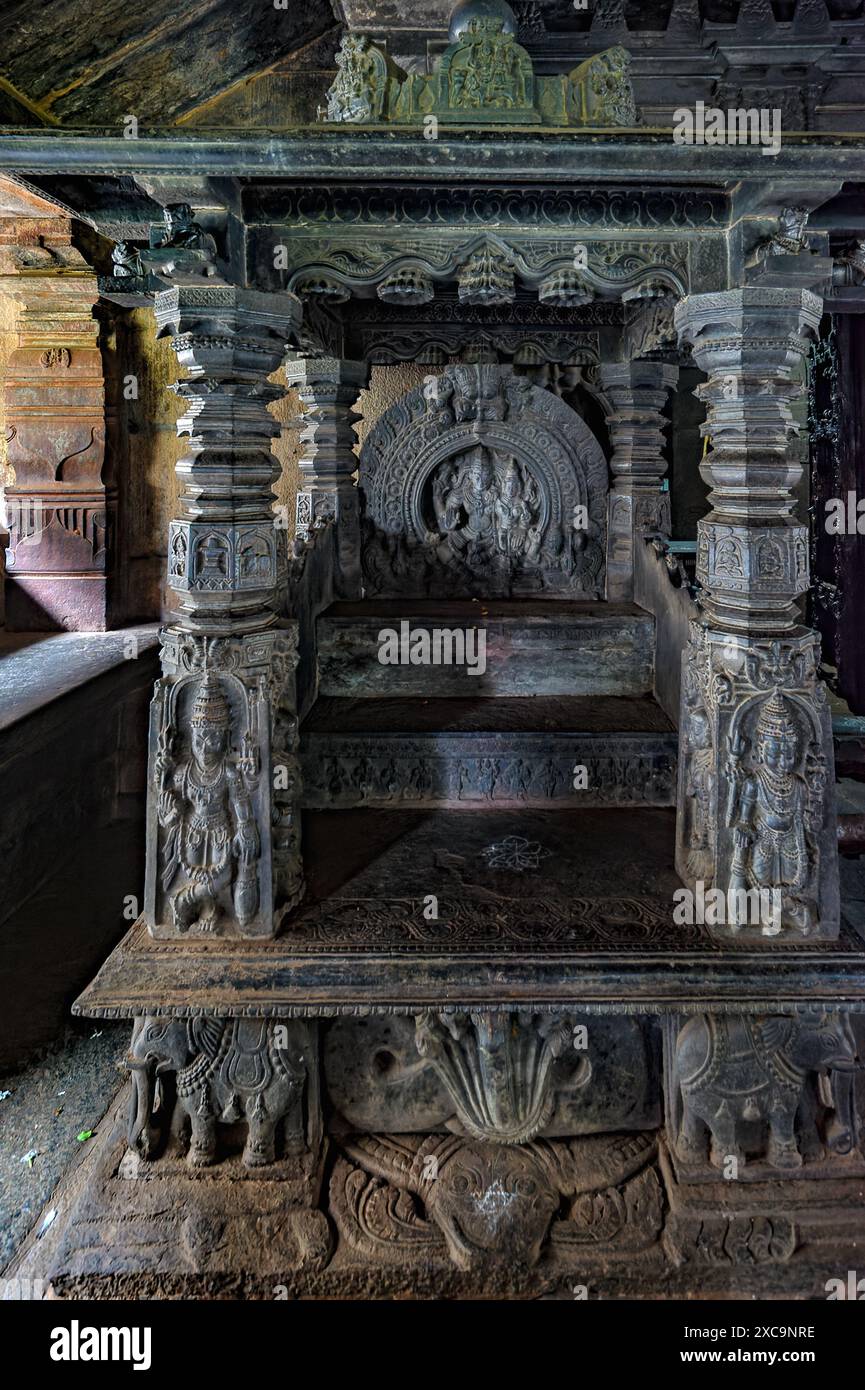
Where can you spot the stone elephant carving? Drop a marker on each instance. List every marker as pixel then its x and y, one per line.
pixel 225 1071
pixel 744 1081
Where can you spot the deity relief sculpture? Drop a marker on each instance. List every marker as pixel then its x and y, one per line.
pixel 756 812
pixel 204 807
pixel 480 483
pixel 486 71
pixel 363 80
pixel 769 811
pixel 483 77
pixel 600 91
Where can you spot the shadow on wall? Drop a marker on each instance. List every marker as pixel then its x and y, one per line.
pixel 73 774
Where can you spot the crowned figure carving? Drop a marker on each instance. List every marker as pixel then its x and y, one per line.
pixel 769 811
pixel 204 806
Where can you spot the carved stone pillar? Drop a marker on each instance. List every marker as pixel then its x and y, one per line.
pixel 223 828
pixel 60 512
pixel 328 388
pixel 638 392
pixel 756 789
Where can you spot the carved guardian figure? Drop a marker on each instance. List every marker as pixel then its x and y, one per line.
pixel 204 807
pixel 768 810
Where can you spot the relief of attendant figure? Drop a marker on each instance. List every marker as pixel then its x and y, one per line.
pixel 513 511
pixel 768 814
pixel 204 807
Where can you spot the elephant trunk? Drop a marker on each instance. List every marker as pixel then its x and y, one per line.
pixel 143 1135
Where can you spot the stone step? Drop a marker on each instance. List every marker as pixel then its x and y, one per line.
pixel 507 751
pixel 531 648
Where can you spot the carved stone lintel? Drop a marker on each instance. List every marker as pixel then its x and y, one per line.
pixel 638 392
pixel 329 389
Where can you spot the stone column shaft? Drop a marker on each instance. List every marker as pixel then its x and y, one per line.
pixel 638 392
pixel 756 808
pixel 223 817
pixel 329 389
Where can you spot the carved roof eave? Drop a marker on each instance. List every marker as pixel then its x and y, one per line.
pixel 614 284
pixel 363 155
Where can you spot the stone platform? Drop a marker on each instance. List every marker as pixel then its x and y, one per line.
pixel 473 752
pixel 597 1217
pixel 533 647
pixel 540 909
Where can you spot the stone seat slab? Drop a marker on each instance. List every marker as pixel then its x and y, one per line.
pixel 536 909
pixel 532 648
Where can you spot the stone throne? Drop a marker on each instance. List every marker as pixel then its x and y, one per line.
pixel 468 968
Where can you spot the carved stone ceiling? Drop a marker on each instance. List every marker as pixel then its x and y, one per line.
pixel 91 61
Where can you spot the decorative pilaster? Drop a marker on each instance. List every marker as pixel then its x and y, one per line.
pixel 638 393
pixel 224 848
pixel 328 388
pixel 756 786
pixel 60 512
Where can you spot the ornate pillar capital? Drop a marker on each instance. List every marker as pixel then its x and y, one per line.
pixel 638 392
pixel 752 556
pixel 225 553
pixel 329 388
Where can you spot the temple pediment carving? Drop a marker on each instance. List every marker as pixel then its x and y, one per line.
pixel 483 78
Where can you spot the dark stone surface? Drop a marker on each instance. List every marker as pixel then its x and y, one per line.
pixel 511 750
pixel 546 648
pixel 588 926
pixel 595 714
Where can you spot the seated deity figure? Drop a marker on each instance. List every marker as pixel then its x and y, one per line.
pixel 205 809
pixel 768 813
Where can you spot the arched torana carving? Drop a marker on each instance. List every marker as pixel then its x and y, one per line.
pixel 480 484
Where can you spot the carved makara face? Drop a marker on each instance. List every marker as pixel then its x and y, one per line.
pixel 494 1198
pixel 209 746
